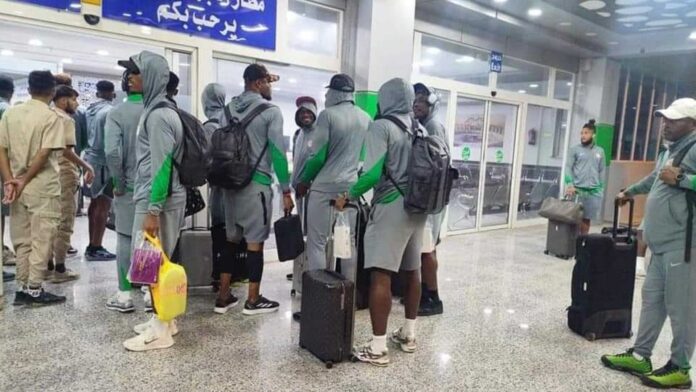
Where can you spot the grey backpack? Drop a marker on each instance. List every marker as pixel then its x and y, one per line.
pixel 430 174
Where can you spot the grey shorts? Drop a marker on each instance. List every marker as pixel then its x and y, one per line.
pixel 248 213
pixel 393 238
pixel 436 224
pixel 101 186
pixel 592 205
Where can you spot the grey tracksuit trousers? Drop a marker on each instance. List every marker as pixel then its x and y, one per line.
pixel 320 220
pixel 171 222
pixel 669 290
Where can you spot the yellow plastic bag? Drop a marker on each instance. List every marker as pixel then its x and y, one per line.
pixel 169 294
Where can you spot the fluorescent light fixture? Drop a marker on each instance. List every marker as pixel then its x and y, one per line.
pixel 66 61
pixel 184 64
pixel 522 91
pixel 692 35
pixel 533 85
pixel 292 80
pixel 465 59
pixel 103 52
pixel 534 12
pixel 433 50
pixel 500 1
pixel 6 52
pixel 427 63
pixel 75 6
pixel 35 42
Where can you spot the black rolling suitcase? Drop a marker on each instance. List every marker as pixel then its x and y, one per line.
pixel 326 327
pixel 603 283
pixel 561 239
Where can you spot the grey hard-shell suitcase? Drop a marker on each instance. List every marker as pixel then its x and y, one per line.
pixel 195 254
pixel 561 239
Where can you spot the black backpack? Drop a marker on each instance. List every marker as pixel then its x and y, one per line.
pixel 195 161
pixel 230 149
pixel 690 202
pixel 430 174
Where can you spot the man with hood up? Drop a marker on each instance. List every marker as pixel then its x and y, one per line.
pixel 248 211
pixel 425 109
pixel 305 118
pixel 332 168
pixel 159 197
pixel 393 237
pixel 100 191
pixel 213 100
pixel 120 137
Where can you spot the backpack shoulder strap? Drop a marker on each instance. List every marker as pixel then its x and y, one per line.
pixel 254 113
pixel 679 157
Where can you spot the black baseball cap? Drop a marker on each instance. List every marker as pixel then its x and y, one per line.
pixel 129 65
pixel 65 91
pixel 342 82
pixel 420 88
pixel 255 72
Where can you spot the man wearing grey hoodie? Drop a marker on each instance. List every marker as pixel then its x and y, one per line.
pixel 100 191
pixel 120 136
pixel 669 288
pixel 393 237
pixel 332 168
pixel 160 198
pixel 248 211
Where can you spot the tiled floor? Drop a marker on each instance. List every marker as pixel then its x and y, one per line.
pixel 503 330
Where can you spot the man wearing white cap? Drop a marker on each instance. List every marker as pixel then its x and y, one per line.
pixel 670 286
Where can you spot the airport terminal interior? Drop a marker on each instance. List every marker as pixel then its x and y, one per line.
pixel 514 83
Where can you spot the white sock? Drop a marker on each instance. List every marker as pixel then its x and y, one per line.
pixel 409 328
pixel 638 356
pixel 379 344
pixel 160 327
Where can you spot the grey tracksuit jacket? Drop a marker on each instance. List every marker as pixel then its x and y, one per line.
pixel 213 100
pixel 120 136
pixel 160 141
pixel 302 142
pixel 96 121
pixel 585 169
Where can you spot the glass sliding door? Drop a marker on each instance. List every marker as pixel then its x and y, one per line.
pixel 499 155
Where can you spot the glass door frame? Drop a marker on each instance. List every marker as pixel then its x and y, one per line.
pixel 457 89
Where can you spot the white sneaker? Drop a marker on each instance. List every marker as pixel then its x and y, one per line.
pixel 142 328
pixel 120 304
pixel 149 341
pixel 405 343
pixel 364 354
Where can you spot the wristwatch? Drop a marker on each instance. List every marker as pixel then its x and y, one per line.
pixel 680 177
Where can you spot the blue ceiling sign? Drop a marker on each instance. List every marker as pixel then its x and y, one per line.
pixel 67 5
pixel 245 22
pixel 496 62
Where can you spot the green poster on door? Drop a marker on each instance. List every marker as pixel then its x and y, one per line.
pixel 466 153
pixel 499 156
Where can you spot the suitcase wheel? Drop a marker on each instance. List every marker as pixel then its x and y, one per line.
pixel 590 336
pixel 329 364
pixel 293 292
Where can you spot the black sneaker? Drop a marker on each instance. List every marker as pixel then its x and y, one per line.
pixel 430 307
pixel 21 298
pixel 72 251
pixel 297 316
pixel 98 254
pixel 44 298
pixel 223 305
pixel 262 305
pixel 288 277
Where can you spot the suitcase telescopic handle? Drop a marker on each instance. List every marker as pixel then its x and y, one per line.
pixel 617 207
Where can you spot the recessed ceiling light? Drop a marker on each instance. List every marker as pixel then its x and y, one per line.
pixel 6 52
pixel 591 34
pixel 35 42
pixel 433 50
pixel 534 85
pixel 103 52
pixel 534 12
pixel 522 91
pixel 692 35
pixel 292 80
pixel 569 84
pixel 66 61
pixel 465 59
